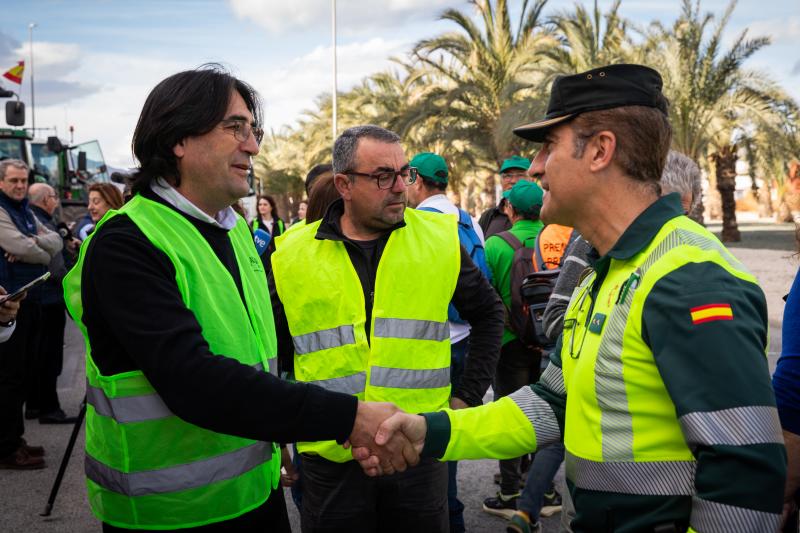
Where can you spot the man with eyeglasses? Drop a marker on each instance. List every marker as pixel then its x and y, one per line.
pixel 365 294
pixel 495 220
pixel 184 406
pixel 659 385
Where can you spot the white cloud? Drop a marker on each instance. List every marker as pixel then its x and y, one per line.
pixel 51 59
pixel 781 31
pixel 109 114
pixel 289 89
pixel 280 17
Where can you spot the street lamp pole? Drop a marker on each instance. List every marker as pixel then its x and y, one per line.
pixel 333 24
pixel 33 101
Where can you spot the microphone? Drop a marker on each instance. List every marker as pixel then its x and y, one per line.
pixel 64 231
pixel 261 239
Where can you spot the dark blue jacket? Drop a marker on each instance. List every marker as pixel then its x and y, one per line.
pixel 15 275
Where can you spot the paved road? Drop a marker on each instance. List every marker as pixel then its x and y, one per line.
pixel 767 249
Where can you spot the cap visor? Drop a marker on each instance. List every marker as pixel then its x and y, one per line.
pixel 536 131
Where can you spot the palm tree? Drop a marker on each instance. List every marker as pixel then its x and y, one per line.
pixel 713 97
pixel 590 40
pixel 471 87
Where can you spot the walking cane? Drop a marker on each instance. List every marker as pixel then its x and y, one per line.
pixel 65 460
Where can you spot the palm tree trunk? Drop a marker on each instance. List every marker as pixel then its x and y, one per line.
pixel 725 161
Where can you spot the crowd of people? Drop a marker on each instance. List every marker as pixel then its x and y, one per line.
pixel 364 334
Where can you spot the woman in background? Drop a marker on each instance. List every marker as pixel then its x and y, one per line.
pixel 102 198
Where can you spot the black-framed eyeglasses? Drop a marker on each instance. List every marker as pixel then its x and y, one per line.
pixel 386 178
pixel 241 129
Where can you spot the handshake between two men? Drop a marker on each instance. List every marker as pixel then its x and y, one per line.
pixel 386 439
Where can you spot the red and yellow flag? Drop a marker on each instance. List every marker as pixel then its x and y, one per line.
pixel 15 73
pixel 710 312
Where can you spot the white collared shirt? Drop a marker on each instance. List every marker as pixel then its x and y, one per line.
pixel 225 219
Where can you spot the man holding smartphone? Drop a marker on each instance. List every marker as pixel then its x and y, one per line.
pixel 8 315
pixel 27 248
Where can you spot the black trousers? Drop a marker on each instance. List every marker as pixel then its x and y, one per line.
pixel 270 517
pixel 518 366
pixel 340 497
pixel 43 377
pixel 16 355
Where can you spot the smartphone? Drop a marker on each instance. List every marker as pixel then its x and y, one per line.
pixel 19 292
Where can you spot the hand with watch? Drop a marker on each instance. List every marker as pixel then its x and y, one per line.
pixel 8 310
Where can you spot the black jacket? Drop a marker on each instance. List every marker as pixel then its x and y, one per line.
pixel 474 299
pixel 136 320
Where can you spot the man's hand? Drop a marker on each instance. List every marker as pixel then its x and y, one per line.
pixel 392 454
pixel 457 403
pixel 289 475
pixel 9 308
pixel 412 427
pixel 11 258
pixel 72 245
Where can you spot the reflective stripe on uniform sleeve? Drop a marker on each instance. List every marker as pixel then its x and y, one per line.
pixel 540 415
pixel 553 379
pixel 713 517
pixel 740 426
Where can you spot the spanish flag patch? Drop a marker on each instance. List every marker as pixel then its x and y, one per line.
pixel 710 312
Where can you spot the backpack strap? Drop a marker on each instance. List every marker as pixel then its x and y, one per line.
pixel 509 237
pixel 464 219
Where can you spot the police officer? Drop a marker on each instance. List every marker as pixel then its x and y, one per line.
pixel 660 386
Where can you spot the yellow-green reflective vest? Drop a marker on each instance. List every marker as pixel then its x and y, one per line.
pixel 622 433
pixel 145 467
pixel 407 358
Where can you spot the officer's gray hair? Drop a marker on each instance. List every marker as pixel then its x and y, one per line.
pixel 15 163
pixel 681 175
pixel 346 145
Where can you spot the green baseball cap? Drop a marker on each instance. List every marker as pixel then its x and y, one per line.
pixel 525 197
pixel 430 166
pixel 515 161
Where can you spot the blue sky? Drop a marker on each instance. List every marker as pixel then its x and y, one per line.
pixel 96 60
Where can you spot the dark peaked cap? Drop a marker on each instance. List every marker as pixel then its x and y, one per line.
pixel 601 88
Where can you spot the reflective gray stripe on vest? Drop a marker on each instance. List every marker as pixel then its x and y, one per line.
pixel 273 366
pixel 657 478
pixel 324 339
pixel 740 426
pixel 181 477
pixel 141 408
pixel 129 408
pixel 616 421
pixel 540 414
pixel 403 328
pixel 713 517
pixel 352 384
pixel 404 378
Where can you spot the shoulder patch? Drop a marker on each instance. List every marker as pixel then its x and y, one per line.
pixel 711 312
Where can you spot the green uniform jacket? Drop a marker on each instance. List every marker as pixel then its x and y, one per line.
pixel 500 255
pixel 674 423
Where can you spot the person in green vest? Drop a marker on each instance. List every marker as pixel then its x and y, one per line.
pixel 659 385
pixel 183 406
pixel 365 292
pixel 518 364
